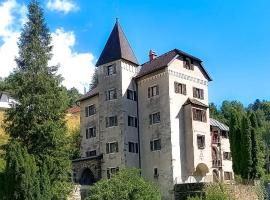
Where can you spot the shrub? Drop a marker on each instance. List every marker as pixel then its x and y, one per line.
pixel 217 192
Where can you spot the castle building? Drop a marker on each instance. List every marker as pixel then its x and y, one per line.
pixel 152 116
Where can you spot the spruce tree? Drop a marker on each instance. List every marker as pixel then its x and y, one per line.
pixel 37 122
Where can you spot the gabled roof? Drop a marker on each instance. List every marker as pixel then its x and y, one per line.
pixel 163 61
pixel 218 124
pixel 195 102
pixel 117 47
pixel 89 94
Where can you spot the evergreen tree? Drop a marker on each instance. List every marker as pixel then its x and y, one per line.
pixel 21 176
pixel 94 81
pixel 246 148
pixel 235 138
pixel 37 122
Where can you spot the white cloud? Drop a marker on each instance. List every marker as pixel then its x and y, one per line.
pixel 64 6
pixel 75 67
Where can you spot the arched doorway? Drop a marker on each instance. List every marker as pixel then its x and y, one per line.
pixel 87 177
pixel 215 175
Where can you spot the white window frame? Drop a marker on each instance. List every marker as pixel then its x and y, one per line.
pixel 152 144
pixel 110 149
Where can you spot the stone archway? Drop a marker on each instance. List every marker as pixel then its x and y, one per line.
pixel 87 177
pixel 215 176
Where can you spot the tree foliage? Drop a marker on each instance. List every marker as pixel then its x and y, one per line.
pixel 36 125
pixel 94 80
pixel 125 185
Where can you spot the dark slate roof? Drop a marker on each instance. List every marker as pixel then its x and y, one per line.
pixel 163 61
pixel 89 94
pixel 195 102
pixel 117 47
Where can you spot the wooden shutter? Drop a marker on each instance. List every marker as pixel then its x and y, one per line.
pixel 151 145
pixel 107 147
pixel 135 96
pixel 136 121
pixel 204 115
pixel 137 148
pixel 94 131
pixel 184 89
pixel 194 92
pixel 86 111
pixel 107 121
pixel 194 113
pixel 115 94
pixel 176 88
pixel 157 90
pixel 149 92
pixel 150 119
pixel 114 68
pixel 86 133
pixel 202 91
pixel 106 95
pixel 116 146
pixel 115 120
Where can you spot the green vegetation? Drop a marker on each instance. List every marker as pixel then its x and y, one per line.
pixel 37 157
pixel 249 135
pixel 215 192
pixel 127 184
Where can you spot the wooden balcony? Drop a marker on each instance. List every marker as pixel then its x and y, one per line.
pixel 216 163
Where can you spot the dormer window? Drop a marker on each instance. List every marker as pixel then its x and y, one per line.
pixel 188 64
pixel 111 69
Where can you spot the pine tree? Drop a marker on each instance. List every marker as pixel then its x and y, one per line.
pixel 94 81
pixel 37 122
pixel 246 148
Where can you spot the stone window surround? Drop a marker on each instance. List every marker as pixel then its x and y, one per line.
pixel 109 147
pixel 153 91
pixel 152 144
pixel 87 108
pixel 88 132
pixel 151 118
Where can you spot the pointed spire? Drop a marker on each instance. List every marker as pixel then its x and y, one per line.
pixel 117 47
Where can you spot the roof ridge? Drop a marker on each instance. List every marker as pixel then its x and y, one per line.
pixel 164 54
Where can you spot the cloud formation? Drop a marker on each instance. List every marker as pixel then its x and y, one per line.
pixel 75 67
pixel 64 6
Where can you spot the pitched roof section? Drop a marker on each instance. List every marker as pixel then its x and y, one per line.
pixel 89 94
pixel 117 47
pixel 163 61
pixel 218 124
pixel 195 102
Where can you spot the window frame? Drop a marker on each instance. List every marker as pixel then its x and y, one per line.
pixel 109 147
pixel 134 121
pixel 180 88
pixel 200 117
pixel 201 146
pixel 108 121
pixel 153 144
pixel 151 118
pixel 88 135
pixel 113 66
pixel 111 94
pixel 198 93
pixel 151 90
pixel 87 110
pixel 112 171
pixel 131 93
pixel 88 153
pixel 133 147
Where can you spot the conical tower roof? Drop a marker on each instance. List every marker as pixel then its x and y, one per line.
pixel 117 47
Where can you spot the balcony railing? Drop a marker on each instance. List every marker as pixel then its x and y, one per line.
pixel 216 163
pixel 215 140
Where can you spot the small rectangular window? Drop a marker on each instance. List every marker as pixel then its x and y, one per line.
pixel 188 64
pixel 133 147
pixel 154 118
pixel 111 94
pixel 111 69
pixel 90 110
pixel 91 153
pixel 155 145
pixel 201 141
pixel 156 172
pixel 111 147
pixel 153 91
pixel 132 121
pixel 90 132
pixel 131 95
pixel 224 134
pixel 226 155
pixel 198 93
pixel 199 115
pixel 180 88
pixel 111 171
pixel 111 121
pixel 228 176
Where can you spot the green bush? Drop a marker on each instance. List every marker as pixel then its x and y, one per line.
pixel 217 192
pixel 194 198
pixel 127 184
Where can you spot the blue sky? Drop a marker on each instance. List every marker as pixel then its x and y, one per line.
pixel 231 37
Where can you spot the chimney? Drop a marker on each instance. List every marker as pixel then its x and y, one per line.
pixel 152 55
